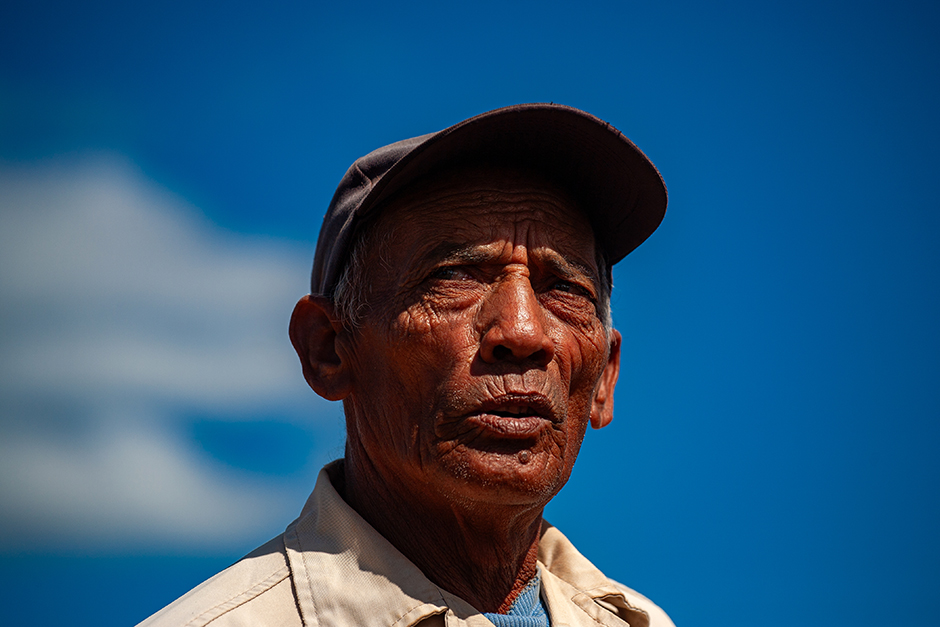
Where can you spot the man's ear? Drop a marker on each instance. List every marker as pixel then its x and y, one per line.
pixel 313 332
pixel 602 410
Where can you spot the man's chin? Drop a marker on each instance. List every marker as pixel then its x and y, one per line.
pixel 506 475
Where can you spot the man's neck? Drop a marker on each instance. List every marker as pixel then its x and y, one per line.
pixel 484 554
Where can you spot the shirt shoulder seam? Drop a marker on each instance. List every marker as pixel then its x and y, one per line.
pixel 240 599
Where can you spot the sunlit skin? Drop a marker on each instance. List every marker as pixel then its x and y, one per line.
pixel 472 377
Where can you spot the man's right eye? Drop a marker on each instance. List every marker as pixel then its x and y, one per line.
pixel 449 273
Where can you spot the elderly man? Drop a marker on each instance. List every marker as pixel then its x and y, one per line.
pixel 460 309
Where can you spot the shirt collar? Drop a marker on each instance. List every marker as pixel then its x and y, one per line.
pixel 346 573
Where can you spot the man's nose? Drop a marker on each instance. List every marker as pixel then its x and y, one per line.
pixel 514 325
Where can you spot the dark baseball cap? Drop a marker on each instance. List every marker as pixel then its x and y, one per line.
pixel 617 186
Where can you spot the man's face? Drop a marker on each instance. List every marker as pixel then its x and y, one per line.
pixel 476 365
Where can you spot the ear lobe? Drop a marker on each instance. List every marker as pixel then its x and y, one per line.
pixel 602 410
pixel 313 332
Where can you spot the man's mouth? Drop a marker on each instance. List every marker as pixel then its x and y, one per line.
pixel 514 416
pixel 515 411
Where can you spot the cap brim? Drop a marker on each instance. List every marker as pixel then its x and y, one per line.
pixel 613 181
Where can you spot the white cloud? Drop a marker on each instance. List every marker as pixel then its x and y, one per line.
pixel 130 487
pixel 122 308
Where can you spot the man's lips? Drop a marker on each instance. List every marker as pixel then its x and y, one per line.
pixel 513 416
pixel 523 427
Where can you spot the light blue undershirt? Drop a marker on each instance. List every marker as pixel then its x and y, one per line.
pixel 526 611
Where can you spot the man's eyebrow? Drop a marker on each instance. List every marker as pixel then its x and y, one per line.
pixel 567 267
pixel 458 252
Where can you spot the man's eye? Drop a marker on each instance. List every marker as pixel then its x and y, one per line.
pixel 449 273
pixel 570 287
pixel 567 286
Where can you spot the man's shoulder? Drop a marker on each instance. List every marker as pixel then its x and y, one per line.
pixel 657 617
pixel 255 590
pixel 592 590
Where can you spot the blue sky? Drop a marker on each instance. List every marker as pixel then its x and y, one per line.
pixel 163 172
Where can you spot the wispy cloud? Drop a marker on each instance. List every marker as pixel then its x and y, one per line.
pixel 122 310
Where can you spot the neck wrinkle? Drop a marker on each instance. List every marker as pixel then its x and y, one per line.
pixel 485 555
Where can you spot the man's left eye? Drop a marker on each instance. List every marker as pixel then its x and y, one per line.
pixel 566 286
pixel 571 287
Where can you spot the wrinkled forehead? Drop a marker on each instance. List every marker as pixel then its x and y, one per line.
pixel 475 204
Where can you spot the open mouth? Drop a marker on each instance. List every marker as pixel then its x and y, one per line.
pixel 516 416
pixel 515 411
pixel 519 406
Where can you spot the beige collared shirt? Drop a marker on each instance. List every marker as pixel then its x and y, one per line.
pixel 331 568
